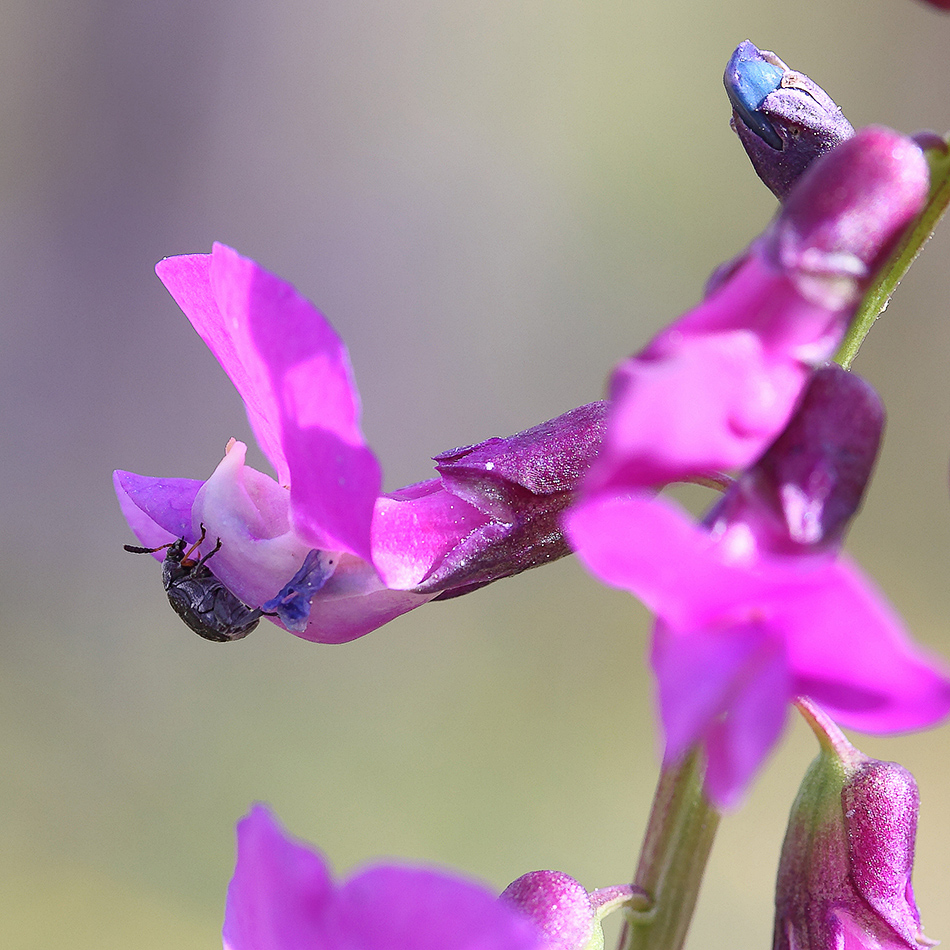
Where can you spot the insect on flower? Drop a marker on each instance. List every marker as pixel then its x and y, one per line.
pixel 198 597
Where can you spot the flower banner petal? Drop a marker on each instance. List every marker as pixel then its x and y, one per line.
pixel 188 279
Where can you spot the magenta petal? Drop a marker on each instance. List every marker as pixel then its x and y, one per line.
pixel 293 373
pixel 737 745
pixel 650 547
pixel 188 280
pixel 338 618
pixel 711 403
pixel 398 908
pixel 852 655
pixel 698 674
pixel 334 477
pixel 282 898
pixel 158 510
pixel 281 891
pixel 415 528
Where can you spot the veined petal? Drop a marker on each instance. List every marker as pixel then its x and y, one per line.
pixel 293 372
pixel 249 512
pixel 414 529
pixel 158 510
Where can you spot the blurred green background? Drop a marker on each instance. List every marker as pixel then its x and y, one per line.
pixel 493 202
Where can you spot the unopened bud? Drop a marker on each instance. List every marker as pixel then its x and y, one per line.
pixel 845 873
pixel 802 493
pixel 783 119
pixel 568 917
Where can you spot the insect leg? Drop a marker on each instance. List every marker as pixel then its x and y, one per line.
pixel 195 546
pixel 208 556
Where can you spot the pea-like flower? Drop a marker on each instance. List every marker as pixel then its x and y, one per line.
pixel 755 606
pixel 320 550
pixel 282 897
pixel 711 391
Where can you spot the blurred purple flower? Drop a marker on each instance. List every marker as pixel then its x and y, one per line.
pixel 283 898
pixel 754 608
pixel 320 547
pixel 711 391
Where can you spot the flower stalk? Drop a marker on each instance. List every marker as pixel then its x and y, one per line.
pixel 676 846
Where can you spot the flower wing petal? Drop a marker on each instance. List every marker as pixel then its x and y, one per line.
pixel 281 892
pixel 737 745
pixel 404 908
pixel 850 653
pixel 415 528
pixel 158 510
pixel 699 674
pixel 650 547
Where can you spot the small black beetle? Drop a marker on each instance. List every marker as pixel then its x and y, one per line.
pixel 198 597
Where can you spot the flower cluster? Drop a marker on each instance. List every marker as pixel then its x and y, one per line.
pixel 756 607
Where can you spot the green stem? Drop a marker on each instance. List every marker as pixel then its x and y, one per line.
pixel 918 233
pixel 676 846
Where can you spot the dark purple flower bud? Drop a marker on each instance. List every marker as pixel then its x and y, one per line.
pixel 561 909
pixel 939 4
pixel 502 499
pixel 845 873
pixel 804 490
pixel 783 119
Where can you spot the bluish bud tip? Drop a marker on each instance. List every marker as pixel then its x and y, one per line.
pixel 749 79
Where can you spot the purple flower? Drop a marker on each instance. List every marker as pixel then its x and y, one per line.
pixel 783 119
pixel 844 877
pixel 754 608
pixel 319 549
pixel 282 897
pixel 710 392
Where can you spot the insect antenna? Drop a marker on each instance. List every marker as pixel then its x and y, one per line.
pixel 132 549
